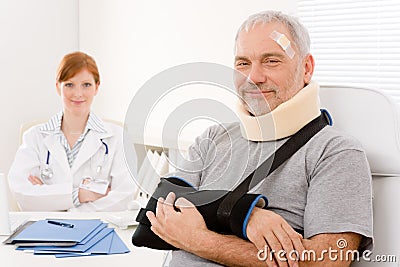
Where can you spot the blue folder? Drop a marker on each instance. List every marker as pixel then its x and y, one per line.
pixel 43 231
pixel 118 246
pixel 103 246
pixel 92 238
pixel 76 248
pixel 93 233
pixel 113 242
pixel 100 248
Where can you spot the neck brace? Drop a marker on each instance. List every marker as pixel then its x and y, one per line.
pixel 283 121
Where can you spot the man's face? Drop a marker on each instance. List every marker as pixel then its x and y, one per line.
pixel 270 77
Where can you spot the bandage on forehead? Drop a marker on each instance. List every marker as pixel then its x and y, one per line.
pixel 283 42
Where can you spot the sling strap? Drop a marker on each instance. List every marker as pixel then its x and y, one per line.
pixel 290 147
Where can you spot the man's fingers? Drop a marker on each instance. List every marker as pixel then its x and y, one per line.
pixel 295 237
pixel 168 205
pixel 275 245
pixel 297 244
pixel 265 255
pixel 291 242
pixel 159 208
pixel 273 242
pixel 150 215
pixel 259 242
pixel 184 205
pixel 170 199
pixel 287 245
pixel 153 221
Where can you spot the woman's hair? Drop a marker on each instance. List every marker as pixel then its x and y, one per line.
pixel 73 63
pixel 297 31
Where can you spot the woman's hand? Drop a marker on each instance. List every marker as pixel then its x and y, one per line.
pixel 35 180
pixel 85 195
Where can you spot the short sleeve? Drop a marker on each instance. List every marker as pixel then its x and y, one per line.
pixel 340 195
pixel 192 166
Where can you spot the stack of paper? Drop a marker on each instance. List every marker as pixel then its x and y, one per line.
pixel 68 238
pixel 154 166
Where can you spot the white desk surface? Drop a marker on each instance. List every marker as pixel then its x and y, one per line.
pixel 137 257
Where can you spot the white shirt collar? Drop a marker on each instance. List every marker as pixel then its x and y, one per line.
pixel 54 124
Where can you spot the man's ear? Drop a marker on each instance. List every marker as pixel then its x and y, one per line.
pixel 58 86
pixel 308 68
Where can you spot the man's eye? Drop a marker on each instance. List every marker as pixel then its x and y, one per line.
pixel 241 64
pixel 271 61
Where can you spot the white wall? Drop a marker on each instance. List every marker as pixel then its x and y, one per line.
pixel 131 41
pixel 138 39
pixel 35 34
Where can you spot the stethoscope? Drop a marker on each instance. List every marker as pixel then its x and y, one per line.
pixel 47 172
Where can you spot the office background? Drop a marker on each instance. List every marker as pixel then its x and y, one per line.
pixel 131 41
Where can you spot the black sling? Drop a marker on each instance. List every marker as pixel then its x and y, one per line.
pixel 282 154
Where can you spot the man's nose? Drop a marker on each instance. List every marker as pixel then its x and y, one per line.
pixel 257 74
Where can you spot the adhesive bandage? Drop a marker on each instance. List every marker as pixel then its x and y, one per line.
pixel 284 42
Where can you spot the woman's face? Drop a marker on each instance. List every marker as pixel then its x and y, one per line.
pixel 77 93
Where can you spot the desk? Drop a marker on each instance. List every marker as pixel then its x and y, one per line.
pixel 137 257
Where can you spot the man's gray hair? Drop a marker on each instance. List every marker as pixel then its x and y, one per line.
pixel 298 32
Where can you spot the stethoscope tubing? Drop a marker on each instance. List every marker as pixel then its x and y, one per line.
pixel 105 145
pixel 48 156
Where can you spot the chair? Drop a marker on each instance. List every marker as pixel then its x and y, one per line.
pixel 373 118
pixel 12 203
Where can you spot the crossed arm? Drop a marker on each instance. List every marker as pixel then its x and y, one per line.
pixel 186 229
pixel 84 194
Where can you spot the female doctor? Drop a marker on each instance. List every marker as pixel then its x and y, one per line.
pixel 74 161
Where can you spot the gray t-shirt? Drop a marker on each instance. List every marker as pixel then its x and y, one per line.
pixel 325 187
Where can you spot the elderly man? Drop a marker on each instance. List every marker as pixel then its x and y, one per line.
pixel 322 191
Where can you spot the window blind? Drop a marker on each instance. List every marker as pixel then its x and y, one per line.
pixel 355 43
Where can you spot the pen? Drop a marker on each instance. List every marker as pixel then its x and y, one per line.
pixel 61 224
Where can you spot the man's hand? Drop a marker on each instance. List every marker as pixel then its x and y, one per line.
pixel 267 229
pixel 180 228
pixel 35 180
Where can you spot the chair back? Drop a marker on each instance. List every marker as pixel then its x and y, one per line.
pixel 373 118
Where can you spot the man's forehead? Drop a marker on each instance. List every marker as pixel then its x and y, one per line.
pixel 263 35
pixel 264 29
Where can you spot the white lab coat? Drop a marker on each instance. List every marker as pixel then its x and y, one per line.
pixel 56 194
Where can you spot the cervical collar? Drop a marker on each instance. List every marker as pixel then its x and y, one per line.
pixel 283 121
